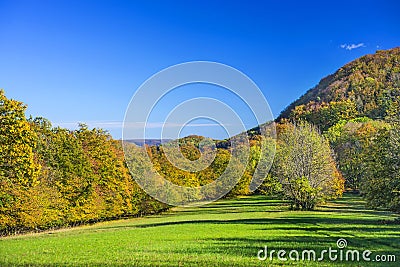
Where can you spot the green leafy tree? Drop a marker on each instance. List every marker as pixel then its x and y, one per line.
pixel 325 115
pixel 350 140
pixel 305 166
pixel 381 186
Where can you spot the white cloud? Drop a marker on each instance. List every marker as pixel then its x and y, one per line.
pixel 352 46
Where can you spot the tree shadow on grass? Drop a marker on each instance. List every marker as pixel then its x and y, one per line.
pixel 308 223
pixel 248 247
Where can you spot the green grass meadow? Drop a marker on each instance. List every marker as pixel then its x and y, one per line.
pixel 225 233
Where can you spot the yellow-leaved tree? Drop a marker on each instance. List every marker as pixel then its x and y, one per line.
pixel 18 169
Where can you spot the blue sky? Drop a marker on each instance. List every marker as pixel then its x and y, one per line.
pixel 81 61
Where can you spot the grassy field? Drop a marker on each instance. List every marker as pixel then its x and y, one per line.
pixel 225 233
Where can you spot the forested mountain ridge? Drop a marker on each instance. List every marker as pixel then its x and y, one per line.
pixel 368 86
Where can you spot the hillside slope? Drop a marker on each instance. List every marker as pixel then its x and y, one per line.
pixel 370 85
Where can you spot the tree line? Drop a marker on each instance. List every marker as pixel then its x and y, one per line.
pixel 52 177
